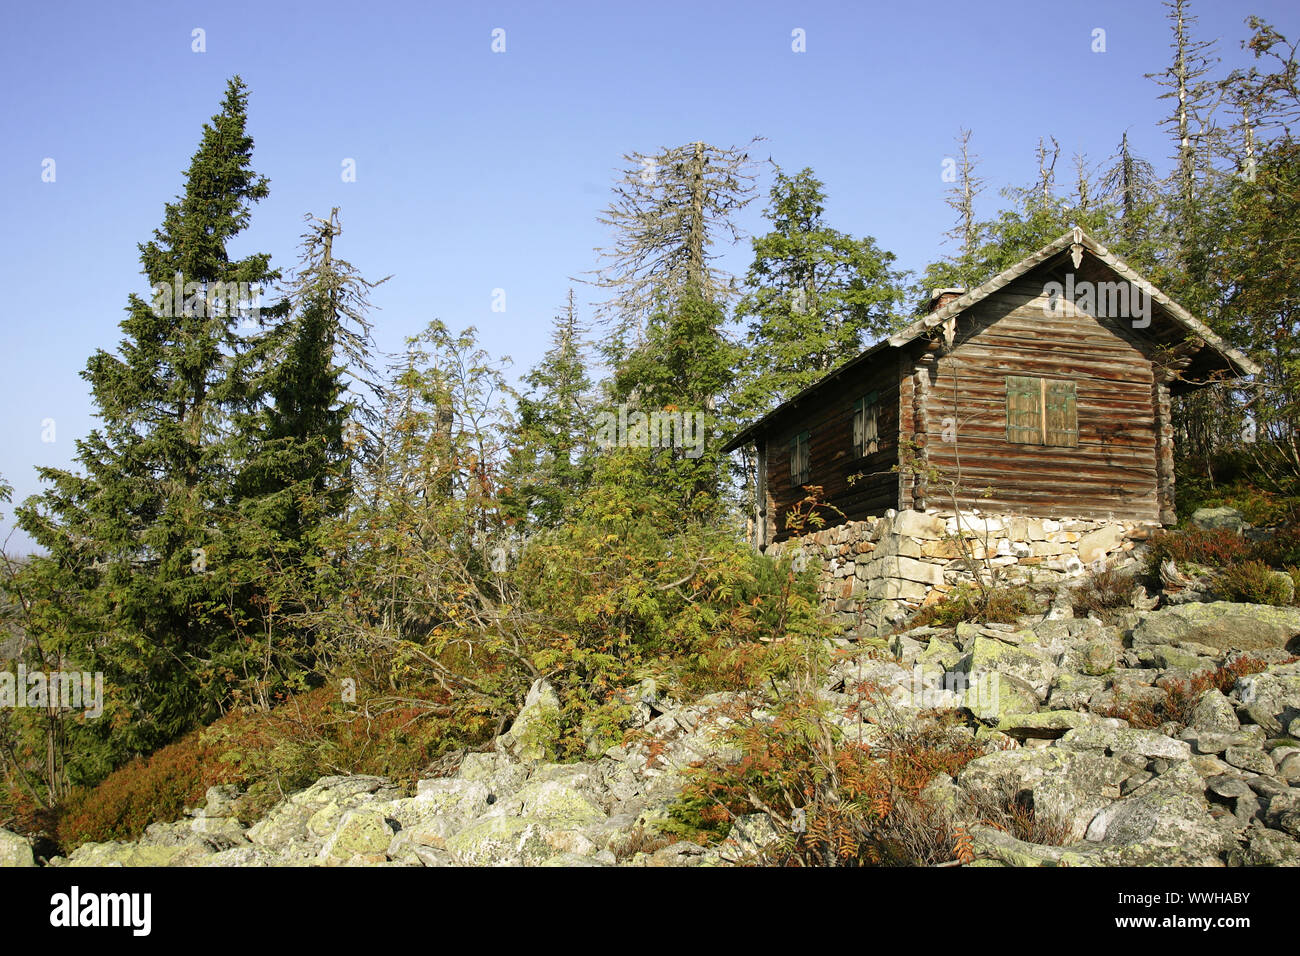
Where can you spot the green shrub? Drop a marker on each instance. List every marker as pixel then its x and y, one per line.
pixel 1234 486
pixel 1251 582
pixel 616 598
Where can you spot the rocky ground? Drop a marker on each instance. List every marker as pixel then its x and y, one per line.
pixel 1222 790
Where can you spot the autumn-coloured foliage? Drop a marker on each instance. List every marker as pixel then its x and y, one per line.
pixel 963 847
pixel 1216 548
pixel 148 789
pixel 835 798
pixel 1180 696
pixel 269 754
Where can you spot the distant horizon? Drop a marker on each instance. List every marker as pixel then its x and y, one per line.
pixel 479 171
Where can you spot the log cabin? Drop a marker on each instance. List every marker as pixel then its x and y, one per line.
pixel 1044 392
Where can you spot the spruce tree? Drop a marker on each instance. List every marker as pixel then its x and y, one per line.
pixel 1129 188
pixel 815 296
pixel 671 388
pixel 550 461
pixel 296 473
pixel 666 346
pixel 668 210
pixel 158 472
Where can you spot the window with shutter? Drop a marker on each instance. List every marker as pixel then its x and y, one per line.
pixel 1042 412
pixel 1062 415
pixel 800 460
pixel 866 428
pixel 1024 410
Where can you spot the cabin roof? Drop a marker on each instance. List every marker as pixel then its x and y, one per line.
pixel 1076 238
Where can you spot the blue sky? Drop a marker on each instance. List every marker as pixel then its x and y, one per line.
pixel 478 170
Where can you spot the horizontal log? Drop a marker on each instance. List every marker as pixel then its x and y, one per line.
pixel 1014 458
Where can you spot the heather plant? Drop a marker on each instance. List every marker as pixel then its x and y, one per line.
pixel 835 798
pixel 1179 697
pixel 1212 548
pixel 1253 583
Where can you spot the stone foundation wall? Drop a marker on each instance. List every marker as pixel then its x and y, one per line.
pixel 888 566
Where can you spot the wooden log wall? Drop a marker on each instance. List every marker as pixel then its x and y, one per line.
pixel 828 416
pixel 1112 472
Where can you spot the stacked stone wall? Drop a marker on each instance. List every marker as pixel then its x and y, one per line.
pixel 888 566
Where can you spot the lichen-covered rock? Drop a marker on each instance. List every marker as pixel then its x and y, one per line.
pixel 1213 742
pixel 1047 724
pixel 502 841
pixel 497 771
pixel 939 654
pixel 439 809
pixel 990 655
pixel 15 850
pixel 1067 785
pixel 295 853
pixel 1269 848
pixel 1073 691
pixel 1214 712
pixel 1098 657
pixel 1219 519
pixel 121 854
pixel 226 831
pixel 219 802
pixel 1002 849
pixel 531 737
pixel 1116 740
pixel 315 812
pixel 1275 692
pixel 1249 758
pixel 1221 624
pixel 1165 822
pixel 1288 768
pixel 750 835
pixel 992 695
pixel 362 835
pixel 558 805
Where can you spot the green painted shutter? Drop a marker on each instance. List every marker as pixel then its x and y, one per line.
pixel 1024 410
pixel 1062 414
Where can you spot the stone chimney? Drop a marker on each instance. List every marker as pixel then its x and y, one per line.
pixel 941 297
